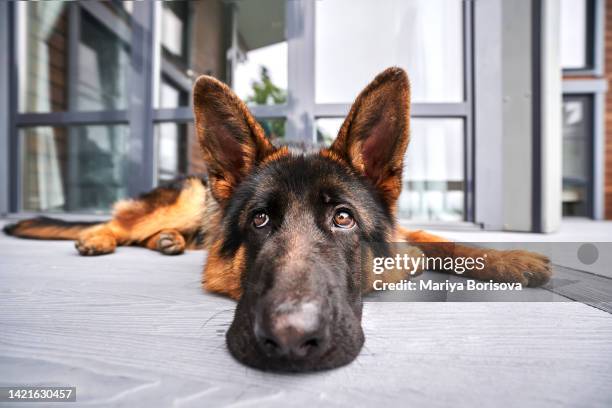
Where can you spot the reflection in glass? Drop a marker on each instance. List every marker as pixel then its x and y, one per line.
pixel 577 126
pixel 103 67
pixel 171 96
pixel 433 171
pixel 45 52
pixel 43 56
pixel 261 75
pixel 183 56
pixel 73 169
pixel 241 42
pixel 264 91
pixel 423 36
pixel 260 51
pixel 273 128
pixel 433 168
pixel 174 32
pixel 327 129
pixel 171 150
pixel 178 152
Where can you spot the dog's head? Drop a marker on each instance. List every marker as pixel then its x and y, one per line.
pixel 292 226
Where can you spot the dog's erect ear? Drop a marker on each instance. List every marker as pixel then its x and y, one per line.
pixel 231 139
pixel 374 135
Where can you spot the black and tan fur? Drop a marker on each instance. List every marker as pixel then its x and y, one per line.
pixel 299 257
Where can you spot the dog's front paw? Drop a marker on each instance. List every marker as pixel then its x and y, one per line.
pixel 525 267
pixel 96 245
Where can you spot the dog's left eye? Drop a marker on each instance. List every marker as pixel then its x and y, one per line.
pixel 343 219
pixel 260 220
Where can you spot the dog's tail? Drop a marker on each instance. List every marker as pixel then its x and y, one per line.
pixel 48 228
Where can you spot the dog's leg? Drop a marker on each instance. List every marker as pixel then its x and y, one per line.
pixel 168 242
pixel 98 240
pixel 525 267
pixel 158 220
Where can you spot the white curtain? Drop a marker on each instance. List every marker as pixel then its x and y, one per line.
pixel 37 96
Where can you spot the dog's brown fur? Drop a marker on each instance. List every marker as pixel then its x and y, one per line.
pixel 172 220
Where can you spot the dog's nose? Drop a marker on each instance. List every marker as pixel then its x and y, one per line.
pixel 291 330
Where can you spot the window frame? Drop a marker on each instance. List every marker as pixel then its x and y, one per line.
pixel 6 28
pixel 596 90
pixel 595 37
pixel 591 82
pixel 137 116
pixel 302 114
pixel 147 66
pixel 590 140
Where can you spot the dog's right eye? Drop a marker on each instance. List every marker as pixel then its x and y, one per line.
pixel 260 220
pixel 343 219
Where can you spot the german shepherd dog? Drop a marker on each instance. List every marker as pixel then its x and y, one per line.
pixel 285 231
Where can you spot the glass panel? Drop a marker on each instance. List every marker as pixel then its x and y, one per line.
pixel 172 96
pixel 178 151
pixel 260 74
pixel 433 168
pixel 273 128
pixel 122 9
pixel 423 36
pixel 327 129
pixel 577 128
pixel 180 63
pixel 433 171
pixel 573 32
pixel 79 168
pixel 103 62
pixel 43 56
pixel 172 150
pixel 174 31
pixel 240 42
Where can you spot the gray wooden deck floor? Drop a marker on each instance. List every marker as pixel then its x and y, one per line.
pixel 134 329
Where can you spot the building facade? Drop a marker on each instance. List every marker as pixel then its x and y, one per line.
pixel 509 99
